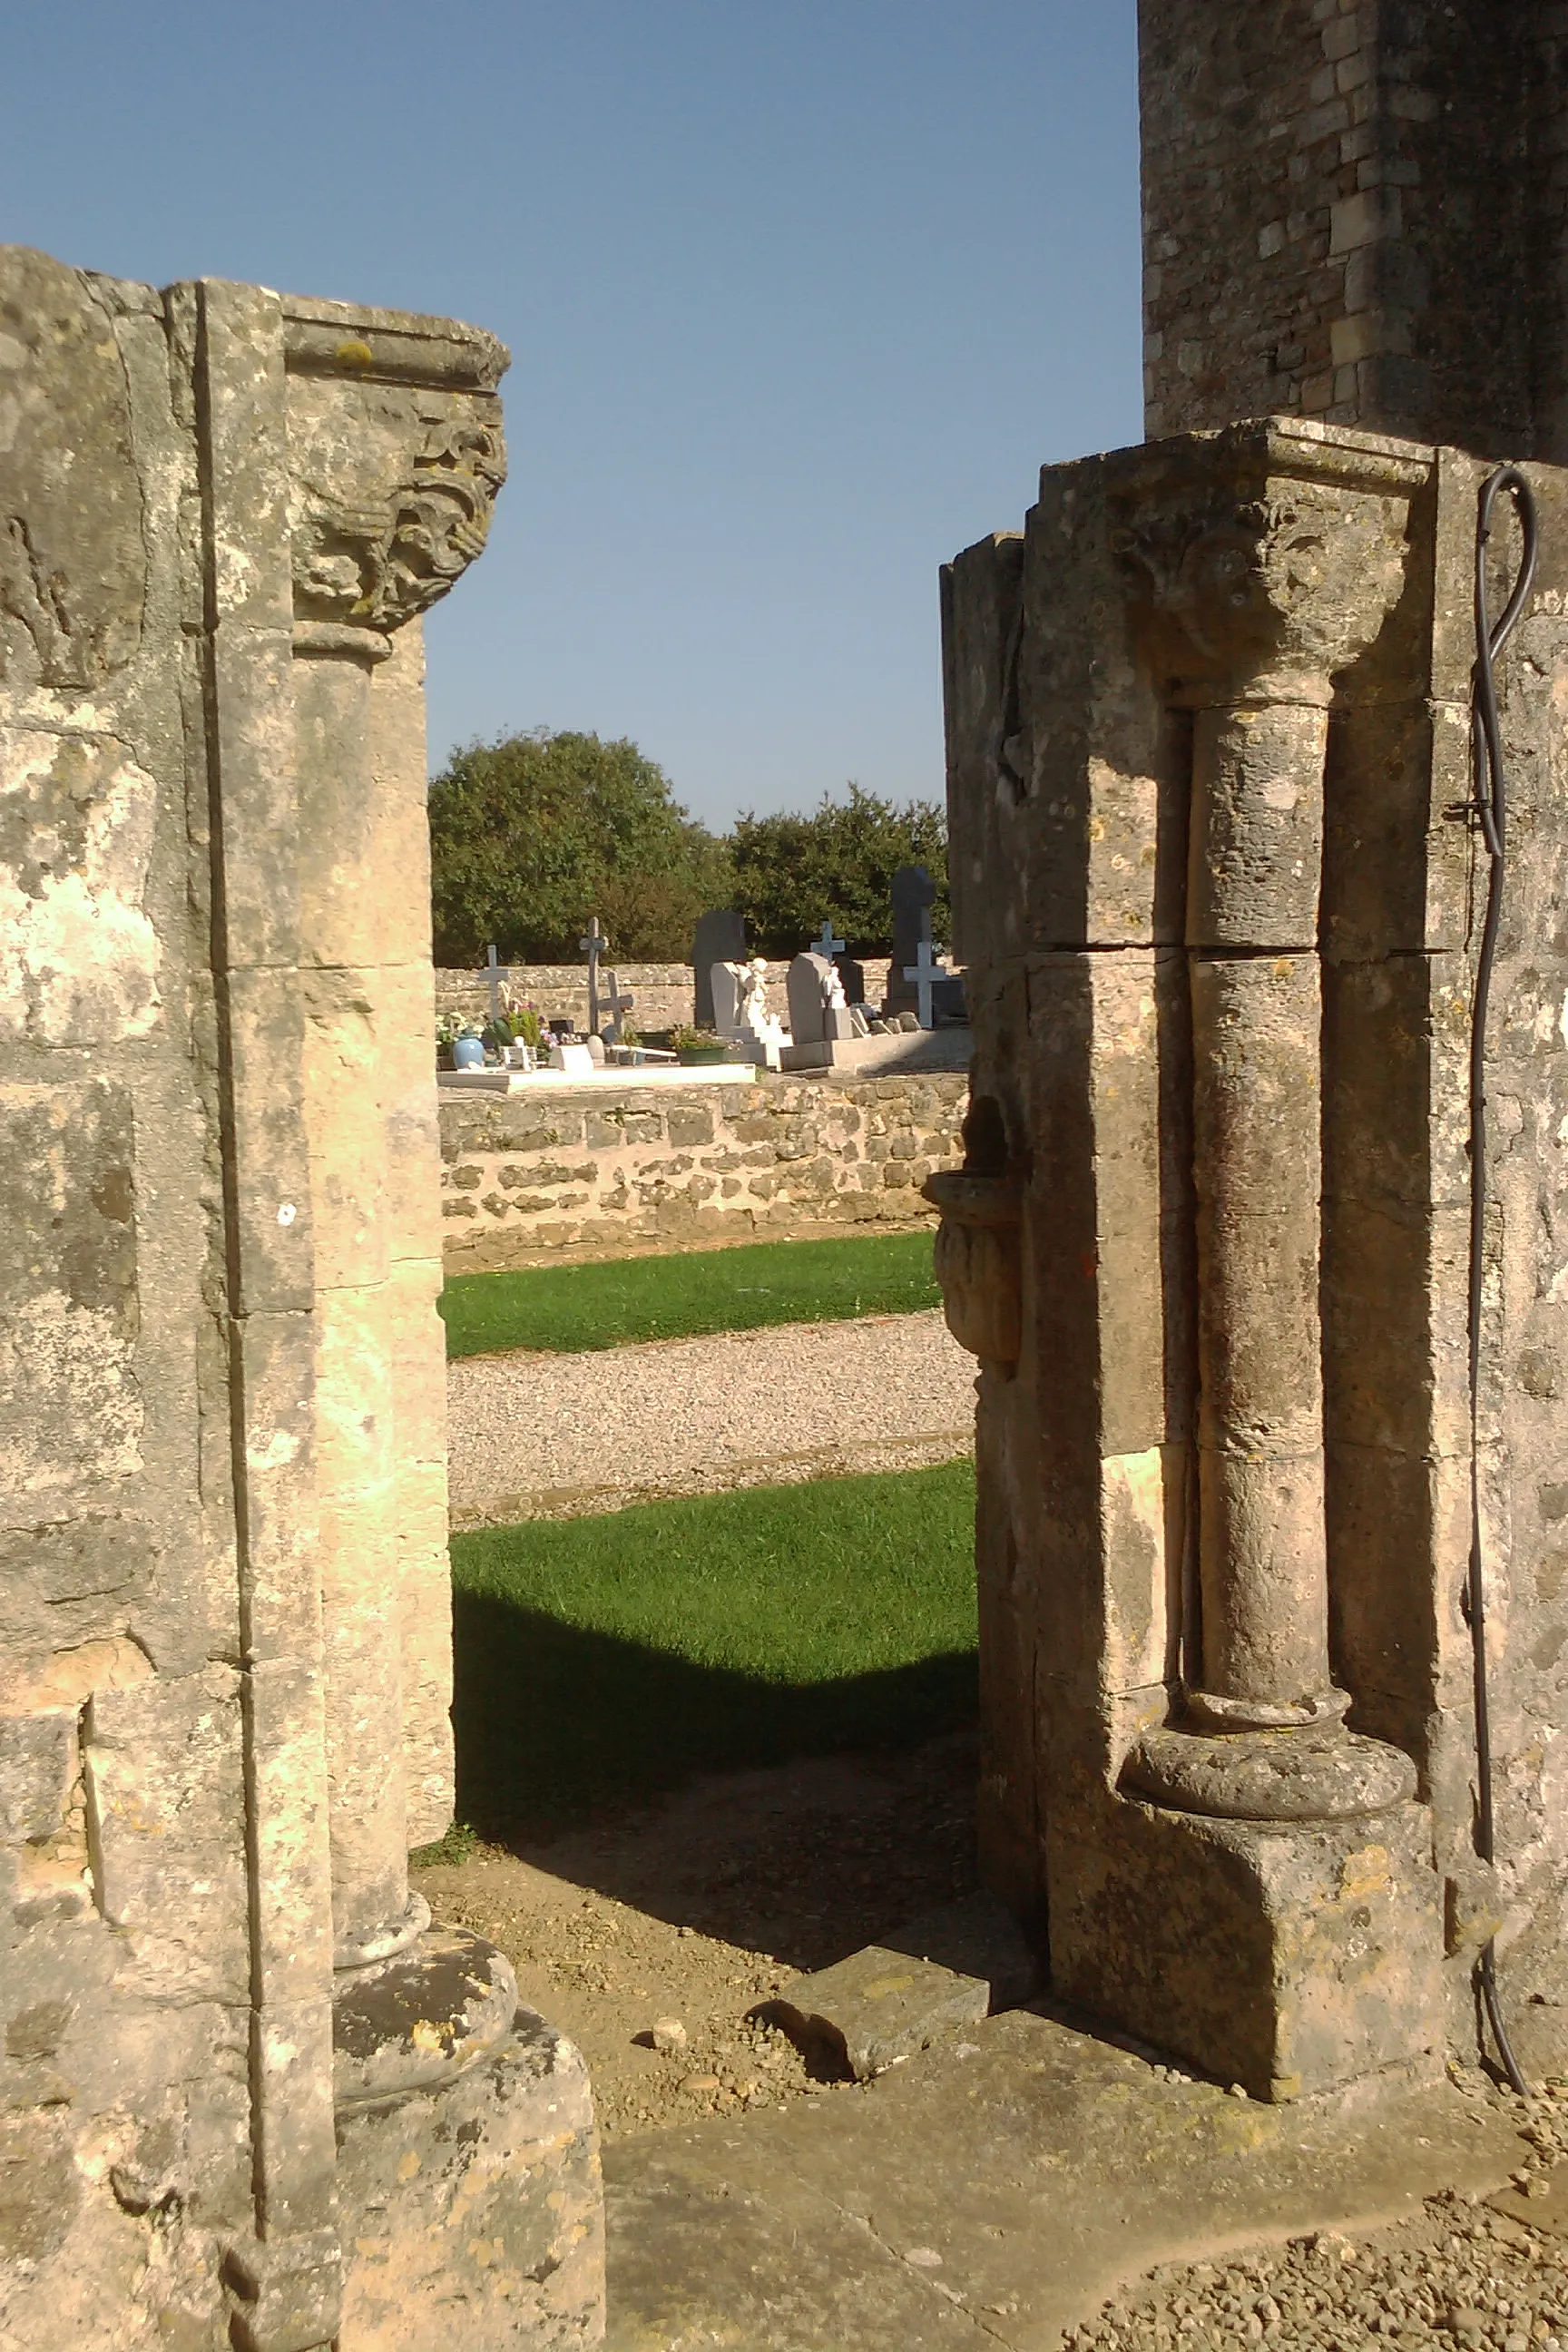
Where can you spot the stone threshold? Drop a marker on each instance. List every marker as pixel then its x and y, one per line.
pixel 994 2189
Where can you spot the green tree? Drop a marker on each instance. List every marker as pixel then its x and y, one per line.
pixel 530 834
pixel 792 870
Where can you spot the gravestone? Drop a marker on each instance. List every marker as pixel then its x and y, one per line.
pixel 948 1001
pixel 618 1003
pixel 817 1009
pixel 724 980
pixel 593 946
pixel 913 894
pixel 720 938
pixel 225 1613
pixel 924 975
pixel 852 973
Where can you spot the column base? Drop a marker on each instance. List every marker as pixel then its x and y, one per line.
pixel 1320 1774
pixel 1289 1956
pixel 468 2173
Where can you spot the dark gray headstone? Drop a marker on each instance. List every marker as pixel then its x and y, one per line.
pixel 948 1002
pixel 913 894
pixel 720 938
pixel 854 978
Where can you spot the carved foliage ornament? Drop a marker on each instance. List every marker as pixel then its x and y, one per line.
pixel 1300 578
pixel 376 564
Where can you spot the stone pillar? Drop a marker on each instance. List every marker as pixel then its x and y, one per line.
pixel 249 2096
pixel 1155 840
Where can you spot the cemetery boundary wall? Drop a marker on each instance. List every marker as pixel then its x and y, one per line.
pixel 525 1179
pixel 662 992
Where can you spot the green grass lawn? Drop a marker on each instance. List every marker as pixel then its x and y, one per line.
pixel 606 1657
pixel 607 1304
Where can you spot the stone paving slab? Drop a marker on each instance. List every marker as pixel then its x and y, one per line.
pixel 995 2190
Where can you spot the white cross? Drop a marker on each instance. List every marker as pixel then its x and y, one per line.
pixel 495 982
pixel 827 945
pixel 617 1005
pixel 925 973
pixel 591 948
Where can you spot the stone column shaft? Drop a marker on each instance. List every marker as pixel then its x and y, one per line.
pixel 355 1461
pixel 1256 831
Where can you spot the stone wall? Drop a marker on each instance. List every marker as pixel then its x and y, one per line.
pixel 527 1177
pixel 1352 210
pixel 663 993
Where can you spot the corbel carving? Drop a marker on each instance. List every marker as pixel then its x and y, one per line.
pixel 374 564
pixel 979 1241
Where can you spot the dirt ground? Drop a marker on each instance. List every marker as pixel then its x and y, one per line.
pixel 700 1907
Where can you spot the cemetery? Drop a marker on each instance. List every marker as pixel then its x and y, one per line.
pixel 852 1824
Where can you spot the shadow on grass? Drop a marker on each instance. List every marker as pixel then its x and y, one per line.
pixel 553 1722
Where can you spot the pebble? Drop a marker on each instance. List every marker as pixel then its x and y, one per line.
pixel 669 2035
pixel 700 2082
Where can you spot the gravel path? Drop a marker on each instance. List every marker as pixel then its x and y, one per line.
pixel 553 1437
pixel 1455 2274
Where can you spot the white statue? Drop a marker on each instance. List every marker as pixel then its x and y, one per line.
pixel 741 1007
pixel 833 995
pixel 751 1007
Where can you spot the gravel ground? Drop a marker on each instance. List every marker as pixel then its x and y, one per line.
pixel 1456 2273
pixel 690 1912
pixel 553 1437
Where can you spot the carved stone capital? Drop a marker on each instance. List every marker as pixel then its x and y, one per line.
pixel 1262 562
pixel 396 456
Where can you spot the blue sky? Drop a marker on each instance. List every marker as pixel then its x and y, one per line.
pixel 799 297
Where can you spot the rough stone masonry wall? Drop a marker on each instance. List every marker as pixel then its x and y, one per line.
pixel 1352 209
pixel 524 1177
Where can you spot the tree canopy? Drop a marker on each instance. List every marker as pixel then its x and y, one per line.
pixel 792 870
pixel 530 834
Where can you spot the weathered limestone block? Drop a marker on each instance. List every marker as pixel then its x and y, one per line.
pixel 225 1652
pixel 485 2193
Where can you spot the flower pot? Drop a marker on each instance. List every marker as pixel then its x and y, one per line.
pixel 469 1053
pixel 692 1057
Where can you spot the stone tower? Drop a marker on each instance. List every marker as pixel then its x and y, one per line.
pixel 1357 210
pixel 1217 880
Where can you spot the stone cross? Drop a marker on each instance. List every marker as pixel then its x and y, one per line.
pixel 592 947
pixel 925 972
pixel 493 969
pixel 616 1003
pixel 828 946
